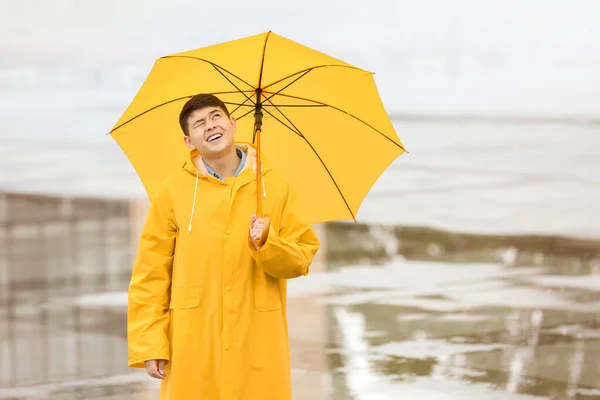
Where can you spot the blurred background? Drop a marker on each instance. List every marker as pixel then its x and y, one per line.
pixel 474 268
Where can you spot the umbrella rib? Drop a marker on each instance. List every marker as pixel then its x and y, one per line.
pixel 342 111
pixel 220 71
pixel 243 115
pixel 296 105
pixel 307 70
pixel 299 133
pixel 286 86
pixel 240 105
pixel 164 104
pixel 211 63
pixel 262 60
pixel 233 84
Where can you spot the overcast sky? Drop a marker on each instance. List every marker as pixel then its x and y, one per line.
pixel 518 57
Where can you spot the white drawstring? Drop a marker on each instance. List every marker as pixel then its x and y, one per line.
pixel 193 204
pixel 196 189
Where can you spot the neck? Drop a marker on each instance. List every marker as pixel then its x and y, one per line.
pixel 224 165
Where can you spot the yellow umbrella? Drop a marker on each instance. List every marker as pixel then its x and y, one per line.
pixel 323 124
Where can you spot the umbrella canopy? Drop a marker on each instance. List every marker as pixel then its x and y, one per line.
pixel 324 126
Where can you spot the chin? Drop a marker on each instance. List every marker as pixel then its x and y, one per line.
pixel 223 147
pixel 217 149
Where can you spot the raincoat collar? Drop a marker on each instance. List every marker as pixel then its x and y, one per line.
pixel 250 161
pixel 241 155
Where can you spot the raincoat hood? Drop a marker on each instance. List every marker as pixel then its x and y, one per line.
pixel 197 168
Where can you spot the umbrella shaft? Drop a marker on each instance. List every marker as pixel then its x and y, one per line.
pixel 259 188
pixel 256 139
pixel 257 115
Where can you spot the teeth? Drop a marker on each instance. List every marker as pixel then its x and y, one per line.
pixel 213 137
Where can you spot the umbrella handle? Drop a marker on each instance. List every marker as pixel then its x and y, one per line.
pixel 259 193
pixel 259 188
pixel 262 240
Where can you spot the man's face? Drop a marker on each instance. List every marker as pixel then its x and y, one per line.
pixel 210 131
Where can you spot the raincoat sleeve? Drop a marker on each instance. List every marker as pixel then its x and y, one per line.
pixel 288 253
pixel 149 289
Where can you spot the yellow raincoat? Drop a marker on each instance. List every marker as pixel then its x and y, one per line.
pixel 200 295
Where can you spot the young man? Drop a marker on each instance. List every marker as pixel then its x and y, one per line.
pixel 207 304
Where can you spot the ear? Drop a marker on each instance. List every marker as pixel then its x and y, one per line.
pixel 233 123
pixel 188 142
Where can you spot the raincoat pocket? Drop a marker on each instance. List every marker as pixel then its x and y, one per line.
pixel 184 297
pixel 266 291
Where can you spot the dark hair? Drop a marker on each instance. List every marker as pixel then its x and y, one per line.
pixel 197 102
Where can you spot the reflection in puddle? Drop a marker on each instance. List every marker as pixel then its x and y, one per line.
pixel 357 368
pixel 576 332
pixel 53 251
pixel 426 349
pixel 464 317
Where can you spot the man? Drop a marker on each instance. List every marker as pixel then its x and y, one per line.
pixel 207 303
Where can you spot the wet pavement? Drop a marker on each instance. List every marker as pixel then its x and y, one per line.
pixel 490 317
pixel 386 313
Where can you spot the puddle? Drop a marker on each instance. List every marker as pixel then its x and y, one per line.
pixel 424 349
pixel 55 251
pixel 450 317
pixel 521 322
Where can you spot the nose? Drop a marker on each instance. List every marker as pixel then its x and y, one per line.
pixel 210 124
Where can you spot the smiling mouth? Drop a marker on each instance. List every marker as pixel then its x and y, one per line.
pixel 214 137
